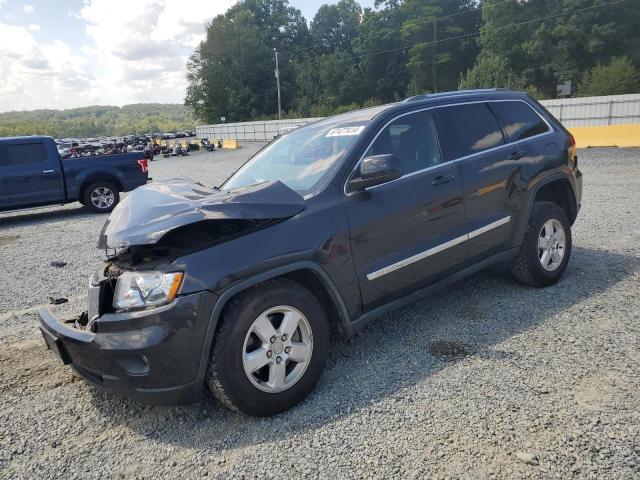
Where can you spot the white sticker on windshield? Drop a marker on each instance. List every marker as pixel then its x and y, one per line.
pixel 345 132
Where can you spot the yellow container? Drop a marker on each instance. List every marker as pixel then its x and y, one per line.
pixel 230 144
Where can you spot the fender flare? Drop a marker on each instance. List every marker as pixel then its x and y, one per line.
pixel 255 280
pixel 524 220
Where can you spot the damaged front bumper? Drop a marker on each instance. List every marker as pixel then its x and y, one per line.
pixel 152 356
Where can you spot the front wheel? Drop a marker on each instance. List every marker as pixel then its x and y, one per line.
pixel 545 251
pixel 101 197
pixel 270 349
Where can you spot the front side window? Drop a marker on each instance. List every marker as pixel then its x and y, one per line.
pixel 24 154
pixel 518 120
pixel 412 140
pixel 302 159
pixel 467 129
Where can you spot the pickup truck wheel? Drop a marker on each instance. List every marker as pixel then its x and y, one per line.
pixel 269 350
pixel 101 197
pixel 546 248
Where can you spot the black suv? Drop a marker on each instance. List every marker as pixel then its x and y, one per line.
pixel 324 229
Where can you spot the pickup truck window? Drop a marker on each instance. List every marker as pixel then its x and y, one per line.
pixel 518 120
pixel 23 154
pixel 467 129
pixel 412 139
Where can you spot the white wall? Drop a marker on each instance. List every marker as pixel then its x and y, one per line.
pixel 251 131
pixel 572 112
pixel 594 111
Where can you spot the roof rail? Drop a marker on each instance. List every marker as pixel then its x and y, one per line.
pixel 427 96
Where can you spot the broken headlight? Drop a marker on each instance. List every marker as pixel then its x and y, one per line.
pixel 146 289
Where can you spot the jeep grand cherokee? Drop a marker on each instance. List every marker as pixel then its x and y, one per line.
pixel 328 227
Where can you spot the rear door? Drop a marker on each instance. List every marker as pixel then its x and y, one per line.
pixel 406 233
pixel 30 173
pixel 472 138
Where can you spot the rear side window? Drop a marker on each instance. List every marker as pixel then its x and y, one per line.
pixel 412 139
pixel 467 129
pixel 23 154
pixel 518 120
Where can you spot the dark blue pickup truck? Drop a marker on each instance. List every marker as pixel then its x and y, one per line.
pixel 32 174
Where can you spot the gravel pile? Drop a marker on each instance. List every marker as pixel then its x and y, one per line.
pixel 488 379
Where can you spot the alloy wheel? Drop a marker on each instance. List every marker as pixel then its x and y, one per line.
pixel 552 245
pixel 277 349
pixel 102 198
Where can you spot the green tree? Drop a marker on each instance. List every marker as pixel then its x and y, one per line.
pixel 231 73
pixel 335 27
pixel 437 58
pixel 618 77
pixel 384 75
pixel 549 41
pixel 98 121
pixel 491 71
pixel 327 82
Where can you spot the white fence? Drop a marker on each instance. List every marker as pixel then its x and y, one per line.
pixel 251 131
pixel 595 111
pixel 572 112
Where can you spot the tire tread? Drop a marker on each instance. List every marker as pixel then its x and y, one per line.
pixel 525 266
pixel 233 310
pixel 520 264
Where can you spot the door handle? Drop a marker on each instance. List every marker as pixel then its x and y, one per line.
pixel 443 179
pixel 48 171
pixel 517 155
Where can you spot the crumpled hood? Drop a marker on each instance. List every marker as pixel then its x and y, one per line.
pixel 151 211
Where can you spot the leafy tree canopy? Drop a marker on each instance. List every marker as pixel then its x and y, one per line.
pixel 348 57
pixel 98 121
pixel 618 77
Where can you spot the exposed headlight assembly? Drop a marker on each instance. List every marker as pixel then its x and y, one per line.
pixel 146 289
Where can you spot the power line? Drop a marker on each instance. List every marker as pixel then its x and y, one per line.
pixel 457 37
pixel 482 6
pixel 472 34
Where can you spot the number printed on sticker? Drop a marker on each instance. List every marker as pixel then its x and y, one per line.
pixel 345 132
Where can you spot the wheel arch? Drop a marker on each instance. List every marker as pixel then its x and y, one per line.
pixel 308 274
pixel 561 192
pixel 98 178
pixel 556 189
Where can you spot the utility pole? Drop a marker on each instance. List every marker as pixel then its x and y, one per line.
pixel 435 56
pixel 278 80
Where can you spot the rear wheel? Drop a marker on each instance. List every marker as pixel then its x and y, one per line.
pixel 270 349
pixel 546 248
pixel 101 197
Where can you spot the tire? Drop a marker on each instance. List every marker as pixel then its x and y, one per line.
pixel 235 340
pixel 101 197
pixel 528 267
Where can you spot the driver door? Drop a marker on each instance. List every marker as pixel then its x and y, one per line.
pixel 409 232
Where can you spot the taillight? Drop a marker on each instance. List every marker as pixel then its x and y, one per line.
pixel 144 166
pixel 573 156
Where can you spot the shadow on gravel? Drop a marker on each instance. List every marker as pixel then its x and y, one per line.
pixel 399 350
pixel 34 217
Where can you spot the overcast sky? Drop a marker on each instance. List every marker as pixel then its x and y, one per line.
pixel 70 53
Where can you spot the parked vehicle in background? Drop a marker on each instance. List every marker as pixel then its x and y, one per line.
pixel 33 174
pixel 207 145
pixel 325 229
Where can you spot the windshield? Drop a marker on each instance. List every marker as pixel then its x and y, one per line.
pixel 302 159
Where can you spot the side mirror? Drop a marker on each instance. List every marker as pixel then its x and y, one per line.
pixel 375 170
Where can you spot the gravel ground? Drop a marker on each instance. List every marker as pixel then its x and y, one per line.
pixel 487 379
